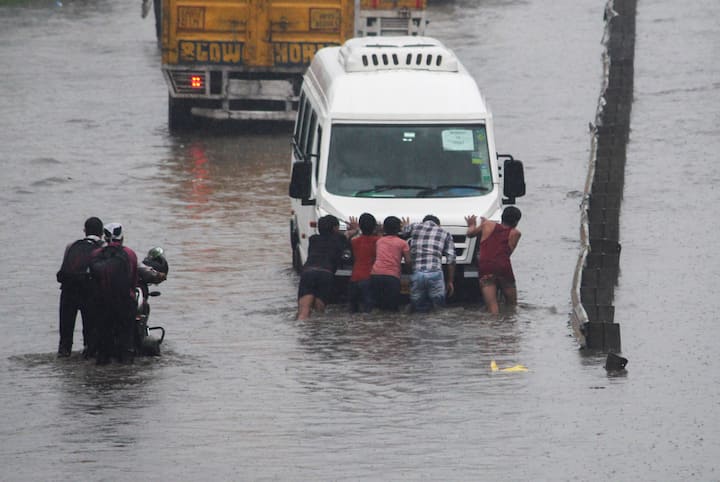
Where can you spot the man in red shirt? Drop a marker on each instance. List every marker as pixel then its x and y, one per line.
pixel 363 250
pixel 497 243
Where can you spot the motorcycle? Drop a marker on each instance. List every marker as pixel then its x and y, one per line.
pixel 152 271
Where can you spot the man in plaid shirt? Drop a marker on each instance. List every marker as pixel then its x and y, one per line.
pixel 428 244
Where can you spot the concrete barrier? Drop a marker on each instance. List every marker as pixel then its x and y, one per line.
pixel 598 266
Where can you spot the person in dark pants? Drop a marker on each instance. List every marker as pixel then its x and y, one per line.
pixel 363 251
pixel 317 279
pixel 114 269
pixel 75 294
pixel 390 252
pixel 429 243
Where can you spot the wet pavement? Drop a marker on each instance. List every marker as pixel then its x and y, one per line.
pixel 245 392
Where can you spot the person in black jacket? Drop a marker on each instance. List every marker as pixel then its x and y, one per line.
pixel 75 289
pixel 317 279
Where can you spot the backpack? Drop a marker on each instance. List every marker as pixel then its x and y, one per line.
pixel 75 263
pixel 110 272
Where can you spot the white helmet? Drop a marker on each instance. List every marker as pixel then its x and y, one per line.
pixel 113 232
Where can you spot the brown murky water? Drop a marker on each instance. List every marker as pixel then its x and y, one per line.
pixel 245 392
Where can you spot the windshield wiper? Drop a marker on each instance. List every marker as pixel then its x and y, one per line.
pixel 389 187
pixel 432 190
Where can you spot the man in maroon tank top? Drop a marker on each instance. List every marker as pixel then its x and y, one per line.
pixel 497 243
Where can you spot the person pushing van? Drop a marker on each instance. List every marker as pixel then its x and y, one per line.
pixel 318 275
pixel 363 251
pixel 391 250
pixel 497 243
pixel 428 244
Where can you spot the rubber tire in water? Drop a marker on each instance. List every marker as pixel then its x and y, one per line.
pixel 296 259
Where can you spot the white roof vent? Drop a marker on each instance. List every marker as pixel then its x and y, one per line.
pixel 364 54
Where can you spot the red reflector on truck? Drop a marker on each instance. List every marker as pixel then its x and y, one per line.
pixel 188 81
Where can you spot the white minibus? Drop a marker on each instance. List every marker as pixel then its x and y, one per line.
pixel 396 126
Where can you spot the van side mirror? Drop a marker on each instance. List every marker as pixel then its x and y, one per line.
pixel 301 180
pixel 513 178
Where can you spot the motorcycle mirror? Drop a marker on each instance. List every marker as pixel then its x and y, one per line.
pixel 156 252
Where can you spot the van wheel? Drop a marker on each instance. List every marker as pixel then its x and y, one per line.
pixel 179 113
pixel 466 289
pixel 296 259
pixel 295 247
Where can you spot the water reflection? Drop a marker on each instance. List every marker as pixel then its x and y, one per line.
pixel 211 170
pixel 81 402
pixel 219 208
pixel 409 347
pixel 201 187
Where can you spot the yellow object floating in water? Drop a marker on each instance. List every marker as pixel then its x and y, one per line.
pixel 514 368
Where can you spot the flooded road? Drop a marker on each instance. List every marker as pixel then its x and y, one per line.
pixel 245 392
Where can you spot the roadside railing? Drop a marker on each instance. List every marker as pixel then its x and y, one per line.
pixel 597 270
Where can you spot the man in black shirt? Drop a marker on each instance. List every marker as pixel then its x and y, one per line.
pixel 75 292
pixel 325 251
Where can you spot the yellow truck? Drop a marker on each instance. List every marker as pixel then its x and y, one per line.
pixel 244 59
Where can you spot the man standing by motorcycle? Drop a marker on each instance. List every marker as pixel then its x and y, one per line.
pixel 114 269
pixel 75 294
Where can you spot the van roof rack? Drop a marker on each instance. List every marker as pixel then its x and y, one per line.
pixel 365 54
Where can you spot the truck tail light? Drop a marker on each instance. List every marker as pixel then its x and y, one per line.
pixel 188 82
pixel 197 82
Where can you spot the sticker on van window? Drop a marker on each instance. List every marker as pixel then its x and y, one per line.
pixel 478 157
pixel 457 140
pixel 408 136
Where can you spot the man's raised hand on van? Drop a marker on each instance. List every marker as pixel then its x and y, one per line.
pixel 473 228
pixel 353 227
pixel 472 220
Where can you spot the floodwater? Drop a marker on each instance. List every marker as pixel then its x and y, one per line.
pixel 245 392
